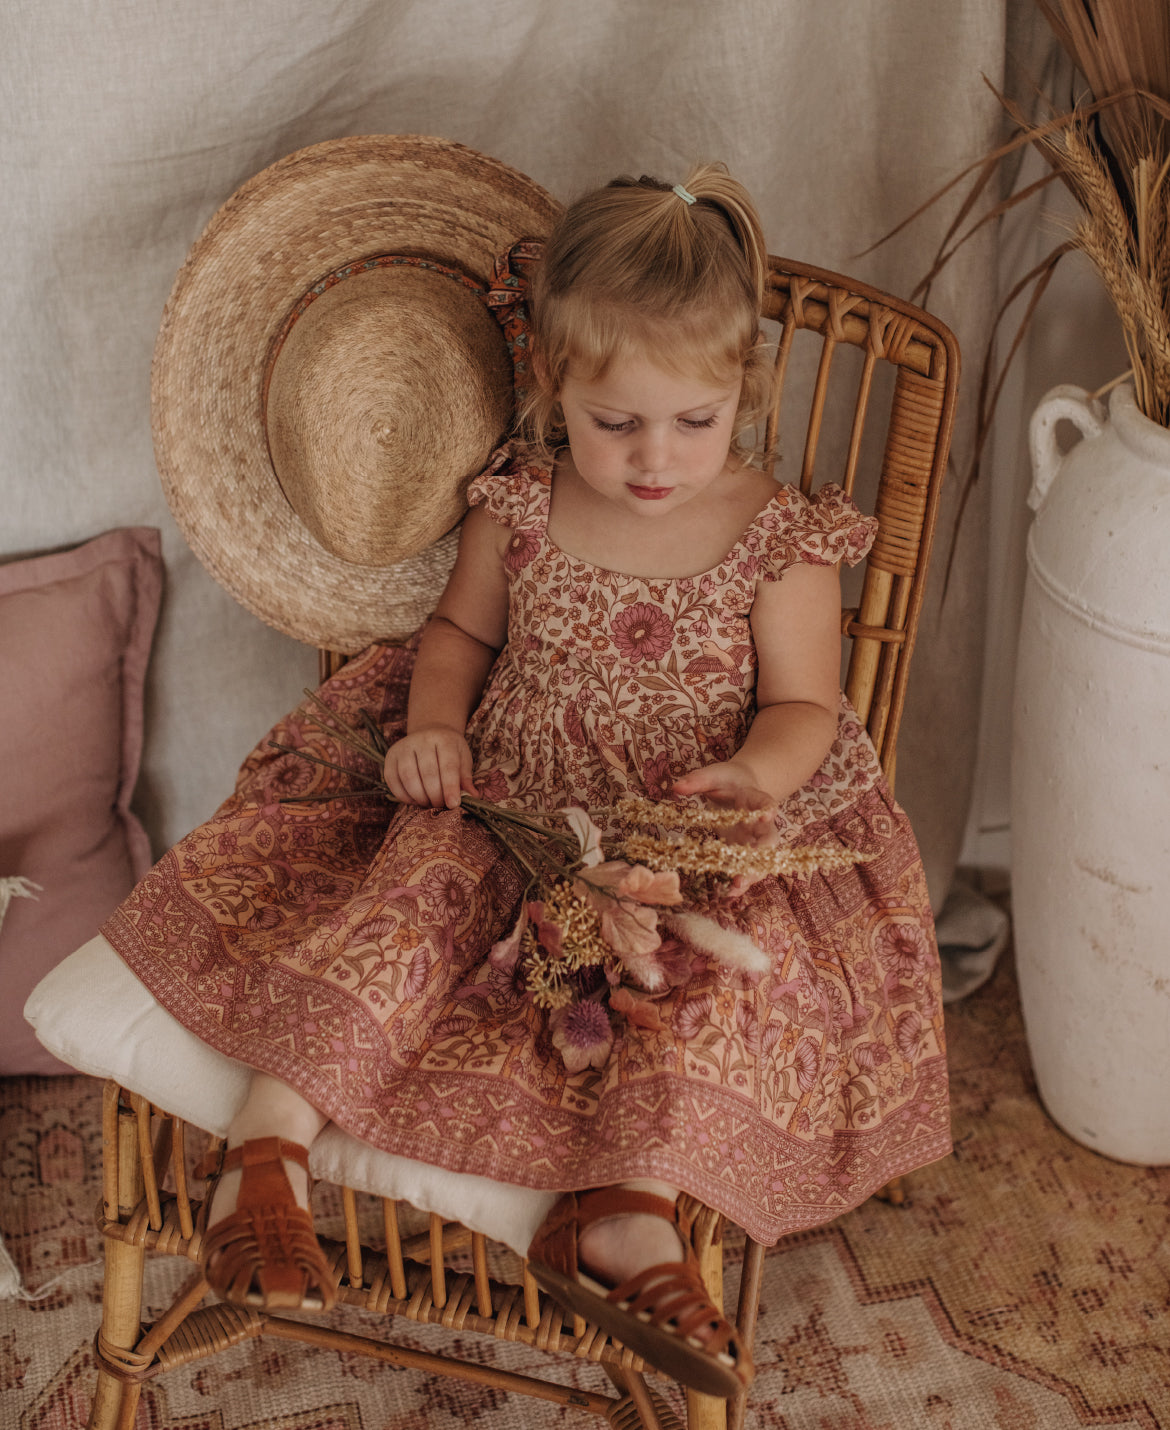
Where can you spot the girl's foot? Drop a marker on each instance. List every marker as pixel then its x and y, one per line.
pixel 227 1186
pixel 618 1258
pixel 615 1248
pixel 263 1252
pixel 259 1248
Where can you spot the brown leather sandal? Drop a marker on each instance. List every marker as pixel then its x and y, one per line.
pixel 656 1313
pixel 265 1253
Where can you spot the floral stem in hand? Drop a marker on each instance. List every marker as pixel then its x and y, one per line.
pixel 317 760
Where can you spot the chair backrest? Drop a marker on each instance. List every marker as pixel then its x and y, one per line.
pixel 916 419
pixel 913 426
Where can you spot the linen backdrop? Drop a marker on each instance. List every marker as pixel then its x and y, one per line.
pixel 127 123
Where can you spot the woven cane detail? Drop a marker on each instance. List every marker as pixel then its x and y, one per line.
pixel 625 1415
pixel 205 1332
pixel 890 334
pixel 799 289
pixel 909 458
pixel 841 304
pixel 122 1362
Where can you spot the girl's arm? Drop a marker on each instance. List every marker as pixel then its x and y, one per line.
pixel 431 764
pixel 796 625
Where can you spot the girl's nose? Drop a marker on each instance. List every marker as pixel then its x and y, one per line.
pixel 653 452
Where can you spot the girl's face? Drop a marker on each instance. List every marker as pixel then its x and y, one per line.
pixel 647 439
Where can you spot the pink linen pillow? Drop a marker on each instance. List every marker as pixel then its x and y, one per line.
pixel 75 634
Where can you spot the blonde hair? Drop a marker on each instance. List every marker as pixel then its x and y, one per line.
pixel 635 268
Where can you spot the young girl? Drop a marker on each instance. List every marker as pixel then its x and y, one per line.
pixel 635 609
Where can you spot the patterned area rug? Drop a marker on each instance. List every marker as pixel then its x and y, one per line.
pixel 1027 1287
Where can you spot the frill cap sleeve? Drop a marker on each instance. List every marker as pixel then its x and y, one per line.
pixel 824 529
pixel 514 488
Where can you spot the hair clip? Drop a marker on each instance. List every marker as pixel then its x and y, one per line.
pixel 683 194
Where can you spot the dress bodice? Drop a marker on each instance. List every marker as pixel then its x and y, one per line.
pixel 612 683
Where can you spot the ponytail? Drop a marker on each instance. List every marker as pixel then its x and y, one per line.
pixel 679 216
pixel 711 184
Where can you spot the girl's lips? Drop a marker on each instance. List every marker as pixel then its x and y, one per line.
pixel 649 493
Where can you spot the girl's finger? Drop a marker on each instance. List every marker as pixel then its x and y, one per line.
pixel 450 772
pixel 428 774
pixel 412 781
pixel 467 771
pixel 696 782
pixel 396 787
pixel 436 772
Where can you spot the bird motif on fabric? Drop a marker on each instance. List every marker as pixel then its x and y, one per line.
pixel 717 661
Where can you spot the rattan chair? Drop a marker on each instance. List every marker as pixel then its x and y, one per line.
pixel 891 372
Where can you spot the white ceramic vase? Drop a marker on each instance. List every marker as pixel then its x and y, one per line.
pixel 1091 777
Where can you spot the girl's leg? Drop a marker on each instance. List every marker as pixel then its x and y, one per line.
pixel 271 1109
pixel 616 1248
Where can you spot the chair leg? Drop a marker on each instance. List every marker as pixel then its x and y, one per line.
pixel 115 1401
pixel 639 1408
pixel 707 1412
pixel 750 1280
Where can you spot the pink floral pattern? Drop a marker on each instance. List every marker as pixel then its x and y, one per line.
pixel 344 946
pixel 641 632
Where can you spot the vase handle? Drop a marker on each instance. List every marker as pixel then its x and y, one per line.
pixel 1069 403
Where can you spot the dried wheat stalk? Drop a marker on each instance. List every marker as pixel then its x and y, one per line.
pixel 1128 251
pixel 1111 148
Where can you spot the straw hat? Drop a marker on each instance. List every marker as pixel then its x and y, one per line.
pixel 319 405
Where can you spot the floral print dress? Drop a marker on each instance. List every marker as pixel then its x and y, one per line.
pixel 343 946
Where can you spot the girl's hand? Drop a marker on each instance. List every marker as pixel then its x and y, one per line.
pixel 430 766
pixel 732 785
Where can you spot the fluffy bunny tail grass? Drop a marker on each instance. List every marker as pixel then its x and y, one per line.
pixel 726 946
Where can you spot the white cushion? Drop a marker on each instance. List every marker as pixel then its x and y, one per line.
pixel 95 1015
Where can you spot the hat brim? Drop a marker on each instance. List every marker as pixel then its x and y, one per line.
pixel 289 226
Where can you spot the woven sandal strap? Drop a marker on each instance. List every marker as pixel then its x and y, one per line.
pixel 266 1251
pixel 671 1292
pixel 264 1149
pixel 608 1202
pixel 556 1241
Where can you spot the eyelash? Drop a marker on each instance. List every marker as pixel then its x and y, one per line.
pixel 624 426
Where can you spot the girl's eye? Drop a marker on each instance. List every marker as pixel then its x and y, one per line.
pixel 691 423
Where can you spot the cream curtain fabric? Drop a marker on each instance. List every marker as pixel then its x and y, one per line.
pixel 126 125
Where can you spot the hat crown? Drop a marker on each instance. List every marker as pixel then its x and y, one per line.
pixel 387 395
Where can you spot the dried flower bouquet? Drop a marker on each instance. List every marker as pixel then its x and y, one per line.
pixel 599 928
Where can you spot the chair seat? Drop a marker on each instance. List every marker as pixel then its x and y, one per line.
pixel 94 1014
